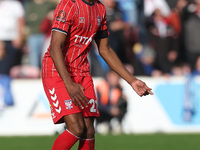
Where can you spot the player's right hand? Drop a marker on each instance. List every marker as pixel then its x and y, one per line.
pixel 76 93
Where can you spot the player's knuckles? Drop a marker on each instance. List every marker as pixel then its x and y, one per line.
pixel 74 102
pixel 79 102
pixel 85 99
pixel 82 101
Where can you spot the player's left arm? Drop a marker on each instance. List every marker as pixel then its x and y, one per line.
pixel 115 64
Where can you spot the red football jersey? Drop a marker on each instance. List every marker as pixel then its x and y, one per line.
pixel 82 22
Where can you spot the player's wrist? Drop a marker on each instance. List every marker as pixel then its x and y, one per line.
pixel 133 80
pixel 68 83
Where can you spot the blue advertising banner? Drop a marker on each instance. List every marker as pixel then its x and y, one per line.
pixel 181 101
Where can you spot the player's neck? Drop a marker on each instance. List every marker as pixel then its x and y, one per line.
pixel 89 1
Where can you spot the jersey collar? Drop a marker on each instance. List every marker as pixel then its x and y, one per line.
pixel 88 3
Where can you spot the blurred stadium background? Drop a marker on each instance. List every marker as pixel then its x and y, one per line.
pixel 168 120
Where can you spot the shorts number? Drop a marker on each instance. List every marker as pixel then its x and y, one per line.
pixel 94 105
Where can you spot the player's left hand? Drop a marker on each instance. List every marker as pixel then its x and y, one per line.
pixel 141 88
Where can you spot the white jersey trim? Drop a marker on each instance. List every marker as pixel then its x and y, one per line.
pixel 59 30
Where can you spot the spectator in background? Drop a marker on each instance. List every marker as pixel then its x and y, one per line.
pixel 11 28
pixel 130 15
pixel 176 19
pixel 133 16
pixel 45 27
pixel 129 11
pixel 112 103
pixel 191 29
pixel 116 28
pixel 11 40
pixel 176 16
pixel 7 61
pixel 151 5
pixel 35 12
pixel 144 60
pixel 181 69
pixel 6 97
pixel 161 37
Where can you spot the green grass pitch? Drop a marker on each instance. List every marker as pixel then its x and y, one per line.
pixel 110 142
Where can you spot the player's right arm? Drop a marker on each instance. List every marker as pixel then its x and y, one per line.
pixel 75 90
pixel 114 62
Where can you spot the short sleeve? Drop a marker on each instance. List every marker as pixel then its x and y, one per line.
pixel 63 17
pixel 103 29
pixel 103 22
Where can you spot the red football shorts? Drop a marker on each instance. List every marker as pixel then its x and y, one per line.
pixel 61 103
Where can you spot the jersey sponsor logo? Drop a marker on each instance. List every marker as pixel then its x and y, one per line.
pixel 81 20
pixel 68 104
pixel 78 45
pixel 98 21
pixel 61 16
pixel 83 39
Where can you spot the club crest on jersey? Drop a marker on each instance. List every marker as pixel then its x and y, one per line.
pixel 68 104
pixel 81 20
pixel 98 21
pixel 61 16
